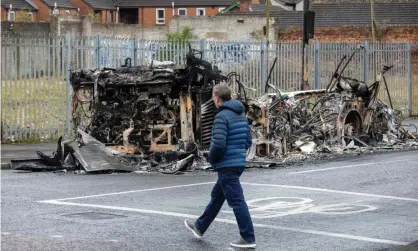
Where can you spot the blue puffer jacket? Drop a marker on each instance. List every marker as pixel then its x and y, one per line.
pixel 231 136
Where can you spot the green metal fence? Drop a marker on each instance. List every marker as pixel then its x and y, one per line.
pixel 35 93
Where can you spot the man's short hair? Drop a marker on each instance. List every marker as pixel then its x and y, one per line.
pixel 222 91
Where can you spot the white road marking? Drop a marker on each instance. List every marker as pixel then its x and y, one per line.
pixel 6 233
pixel 57 236
pixel 341 167
pixel 113 240
pixel 273 207
pixel 181 215
pixel 136 191
pixel 333 191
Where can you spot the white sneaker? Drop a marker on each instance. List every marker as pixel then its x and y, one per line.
pixel 243 244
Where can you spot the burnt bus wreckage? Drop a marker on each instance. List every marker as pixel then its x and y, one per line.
pixel 159 118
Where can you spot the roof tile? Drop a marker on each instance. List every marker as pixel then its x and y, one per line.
pixel 60 3
pixel 101 4
pixel 19 4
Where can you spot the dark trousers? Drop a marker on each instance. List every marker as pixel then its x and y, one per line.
pixel 228 187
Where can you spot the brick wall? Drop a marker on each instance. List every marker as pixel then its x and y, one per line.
pixel 147 16
pixel 44 12
pixel 71 24
pixel 106 16
pixel 3 14
pixel 217 28
pixel 26 28
pixel 222 28
pixel 353 34
pixel 129 30
pixel 84 8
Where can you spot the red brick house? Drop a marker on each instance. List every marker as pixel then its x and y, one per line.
pixel 13 10
pixel 46 8
pixel 159 13
pixel 105 10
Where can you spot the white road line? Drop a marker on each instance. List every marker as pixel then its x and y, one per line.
pixel 137 191
pixel 57 236
pixel 341 167
pixel 333 191
pixel 181 215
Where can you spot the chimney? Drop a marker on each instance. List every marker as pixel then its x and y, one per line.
pixel 244 5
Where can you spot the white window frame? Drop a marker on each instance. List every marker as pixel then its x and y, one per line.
pixel 31 16
pixel 67 12
pixel 55 11
pixel 221 9
pixel 157 19
pixel 204 12
pixel 9 15
pixel 185 11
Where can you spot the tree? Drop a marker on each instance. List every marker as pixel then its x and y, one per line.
pixel 184 36
pixel 95 17
pixel 177 44
pixel 24 16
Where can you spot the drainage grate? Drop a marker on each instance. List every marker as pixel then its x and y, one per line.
pixel 95 216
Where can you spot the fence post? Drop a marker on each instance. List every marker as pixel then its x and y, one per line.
pixel 136 41
pixel 68 84
pixel 98 38
pixel 202 47
pixel 140 52
pixel 262 66
pixel 366 67
pixel 409 65
pixel 317 57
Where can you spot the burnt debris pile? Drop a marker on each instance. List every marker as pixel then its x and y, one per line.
pixel 346 116
pixel 159 118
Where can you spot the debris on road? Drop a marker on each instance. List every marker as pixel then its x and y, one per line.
pixel 159 118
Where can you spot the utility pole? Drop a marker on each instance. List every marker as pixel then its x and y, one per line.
pixel 267 39
pixel 304 79
pixel 373 21
pixel 267 19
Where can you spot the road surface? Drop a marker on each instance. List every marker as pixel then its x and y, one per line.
pixel 365 203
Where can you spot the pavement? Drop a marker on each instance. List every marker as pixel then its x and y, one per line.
pixel 24 151
pixel 362 203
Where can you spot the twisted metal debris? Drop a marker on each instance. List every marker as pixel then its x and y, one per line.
pixel 345 115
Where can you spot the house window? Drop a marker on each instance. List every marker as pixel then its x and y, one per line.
pixel 200 11
pixel 67 12
pixel 110 17
pixel 221 9
pixel 160 15
pixel 55 12
pixel 182 12
pixel 11 16
pixel 31 16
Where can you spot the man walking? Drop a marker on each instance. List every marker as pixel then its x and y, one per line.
pixel 231 138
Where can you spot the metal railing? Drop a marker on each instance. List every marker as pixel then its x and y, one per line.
pixel 35 98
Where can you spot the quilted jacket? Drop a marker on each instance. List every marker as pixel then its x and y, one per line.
pixel 231 136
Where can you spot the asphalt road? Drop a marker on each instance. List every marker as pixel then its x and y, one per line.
pixel 365 203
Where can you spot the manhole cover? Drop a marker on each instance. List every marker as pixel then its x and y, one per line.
pixel 95 216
